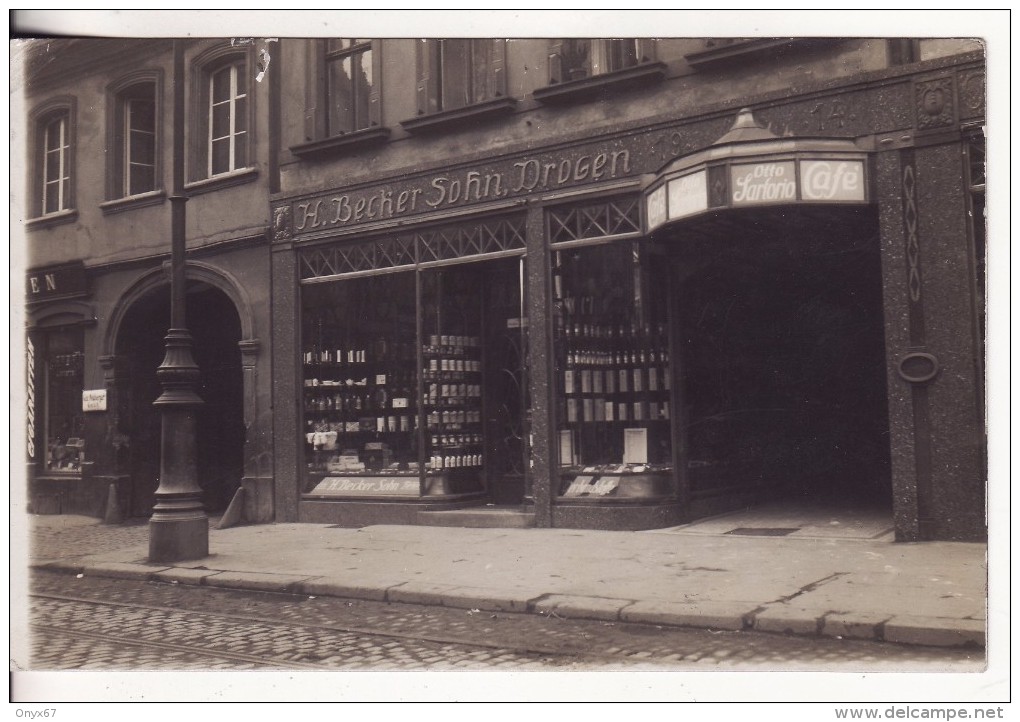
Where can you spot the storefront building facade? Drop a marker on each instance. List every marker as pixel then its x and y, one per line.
pixel 99 138
pixel 626 284
pixel 617 284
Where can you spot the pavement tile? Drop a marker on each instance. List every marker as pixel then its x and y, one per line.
pixel 334 587
pixel 257 581
pixel 119 570
pixel 576 607
pixel 854 626
pixel 935 631
pixel 705 615
pixel 787 620
pixel 183 575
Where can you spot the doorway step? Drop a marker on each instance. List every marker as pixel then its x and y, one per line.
pixel 481 517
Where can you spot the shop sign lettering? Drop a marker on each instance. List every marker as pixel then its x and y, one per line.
pixel 450 190
pixel 763 183
pixel 30 364
pixel 367 486
pixel 825 180
pixel 655 207
pixel 688 195
pixel 52 282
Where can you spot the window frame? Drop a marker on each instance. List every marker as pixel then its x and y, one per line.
pixel 318 140
pixel 595 79
pixel 431 115
pixel 121 92
pixel 204 67
pixel 57 110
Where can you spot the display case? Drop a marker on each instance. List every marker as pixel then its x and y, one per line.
pixel 614 378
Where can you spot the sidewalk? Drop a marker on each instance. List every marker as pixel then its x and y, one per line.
pixel 931 593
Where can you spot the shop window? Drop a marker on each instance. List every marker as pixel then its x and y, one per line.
pixel 361 387
pixel 613 372
pixel 54 159
pixel 55 383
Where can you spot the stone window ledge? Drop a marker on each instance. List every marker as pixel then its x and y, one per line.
pixel 52 219
pixel 587 88
pixel 224 180
pixel 127 203
pixel 348 142
pixel 452 118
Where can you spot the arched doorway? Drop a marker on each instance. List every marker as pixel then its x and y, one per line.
pixel 216 329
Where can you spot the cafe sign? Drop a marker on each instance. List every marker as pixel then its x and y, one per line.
pixel 750 167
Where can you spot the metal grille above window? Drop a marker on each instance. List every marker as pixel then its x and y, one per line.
pixel 473 239
pixel 487 238
pixel 611 217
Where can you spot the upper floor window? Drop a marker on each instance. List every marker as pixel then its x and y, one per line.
pixel 135 164
pixel 457 73
pixel 227 103
pixel 576 58
pixel 52 167
pixel 351 86
pixel 56 163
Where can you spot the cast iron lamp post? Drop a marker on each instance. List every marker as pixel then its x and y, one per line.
pixel 179 527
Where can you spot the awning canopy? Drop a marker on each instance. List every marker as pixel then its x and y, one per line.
pixel 752 167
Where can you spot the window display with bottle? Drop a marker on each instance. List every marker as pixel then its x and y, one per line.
pixel 360 386
pixel 614 375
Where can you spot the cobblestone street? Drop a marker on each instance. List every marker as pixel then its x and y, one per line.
pixel 92 623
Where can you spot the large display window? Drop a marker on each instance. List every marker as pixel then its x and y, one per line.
pixel 361 386
pixel 413 383
pixel 614 406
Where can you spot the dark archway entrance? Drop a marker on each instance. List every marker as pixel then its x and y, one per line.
pixel 783 361
pixel 216 329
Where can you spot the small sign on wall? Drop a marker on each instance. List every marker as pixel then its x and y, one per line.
pixel 93 400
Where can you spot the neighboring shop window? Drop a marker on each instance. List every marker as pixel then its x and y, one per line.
pixel 56 384
pixel 456 73
pixel 360 386
pixel 613 370
pixel 351 85
pixel 576 58
pixel 976 180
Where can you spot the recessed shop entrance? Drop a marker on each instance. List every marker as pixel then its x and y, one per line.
pixel 140 348
pixel 782 361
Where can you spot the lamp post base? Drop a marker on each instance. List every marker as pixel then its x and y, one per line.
pixel 179 537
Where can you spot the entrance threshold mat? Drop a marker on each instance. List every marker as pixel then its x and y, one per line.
pixel 763 531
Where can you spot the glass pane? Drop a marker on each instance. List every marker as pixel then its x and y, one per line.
pixel 142 179
pixel 240 150
pixel 221 85
pixel 220 120
pixel 51 202
pixel 613 410
pixel 361 387
pixel 473 374
pixel 341 105
pixel 456 78
pixel 142 115
pixel 54 135
pixel 143 148
pixel 64 419
pixel 241 114
pixel 53 165
pixel 622 53
pixel 481 69
pixel 221 156
pixel 575 57
pixel 363 85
